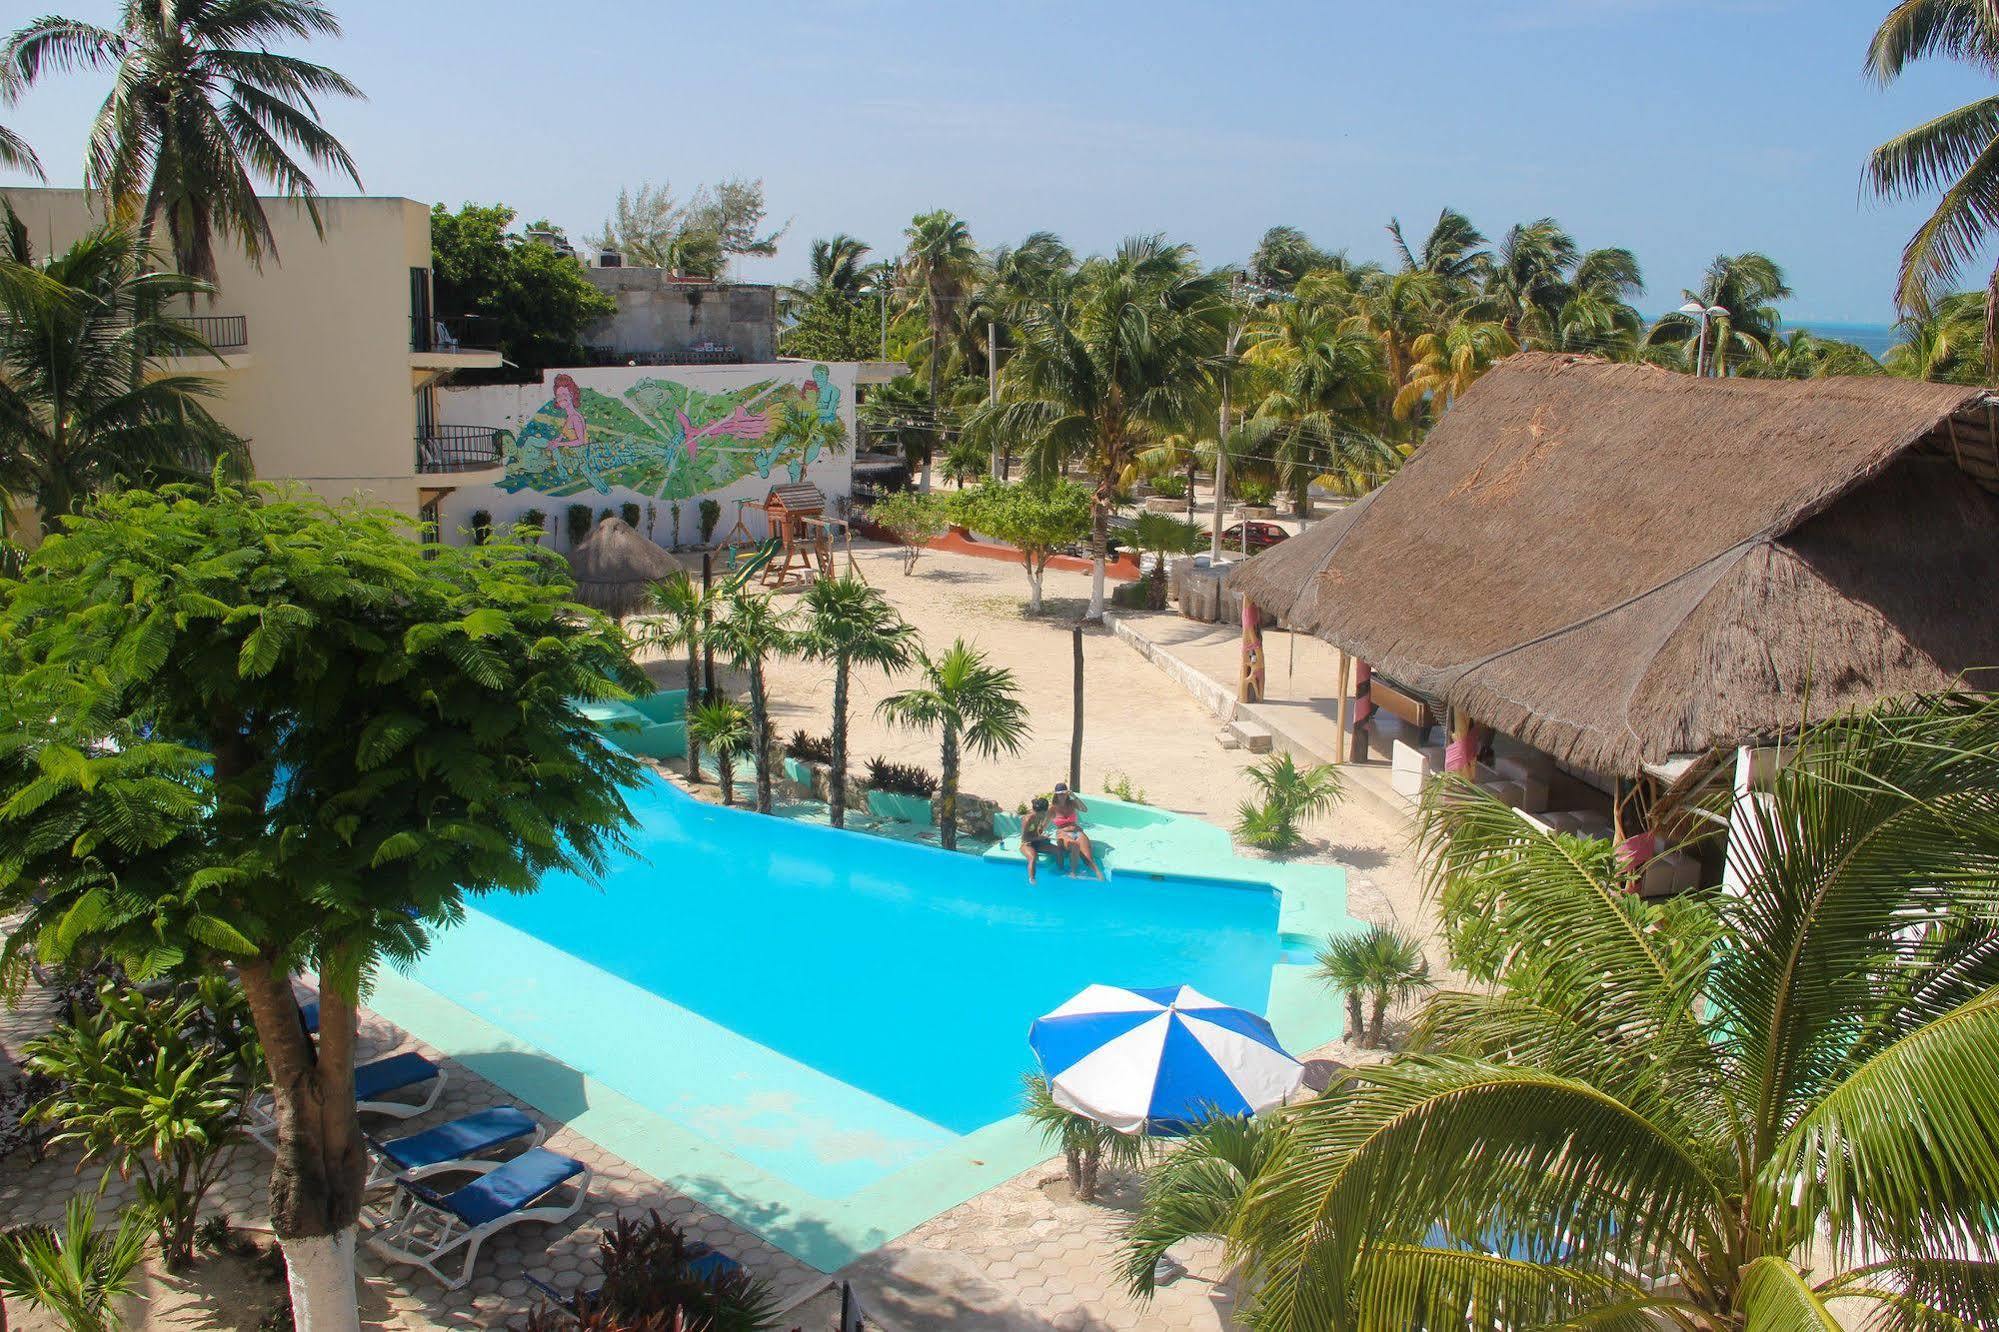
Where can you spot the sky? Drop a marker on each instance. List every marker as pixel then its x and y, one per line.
pixel 1678 128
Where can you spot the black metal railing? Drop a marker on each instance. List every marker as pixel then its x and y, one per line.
pixel 710 355
pixel 457 448
pixel 222 332
pixel 462 333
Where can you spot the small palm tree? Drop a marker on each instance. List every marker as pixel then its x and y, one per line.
pixel 1302 793
pixel 720 726
pixel 1085 1144
pixel 1379 963
pixel 683 611
pixel 973 705
pixel 851 624
pixel 201 109
pixel 1747 288
pixel 73 418
pixel 1161 535
pixel 752 630
pixel 1725 1111
pixel 75 1273
pixel 1192 1192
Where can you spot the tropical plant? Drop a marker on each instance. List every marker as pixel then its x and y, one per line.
pixel 1801 354
pixel 1161 535
pixel 1746 287
pixel 528 301
pixel 1946 345
pixel 1264 825
pixel 1448 363
pixel 15 154
pixel 1037 518
pixel 1454 250
pixel 247 732
pixel 809 748
pixel 849 624
pixel 912 519
pixel 1526 278
pixel 1118 783
pixel 1283 256
pixel 1722 1111
pixel 650 1268
pixel 751 630
pixel 1301 792
pixel 682 612
pixel 578 520
pixel 1380 963
pixel 722 727
pixel 711 513
pixel 74 419
pixel 973 705
pixel 1957 153
pixel 534 525
pixel 690 238
pixel 1084 1143
pixel 139 1087
pixel 938 264
pixel 1327 379
pixel 1130 352
pixel 78 1272
pixel 1193 1191
pixel 482 526
pixel 201 111
pixel 900 778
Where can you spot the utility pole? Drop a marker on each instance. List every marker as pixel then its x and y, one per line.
pixel 1222 432
pixel 992 383
pixel 884 292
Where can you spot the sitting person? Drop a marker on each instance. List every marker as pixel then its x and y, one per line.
pixel 1035 840
pixel 1067 812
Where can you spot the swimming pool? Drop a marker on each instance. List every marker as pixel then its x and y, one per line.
pixel 792 1022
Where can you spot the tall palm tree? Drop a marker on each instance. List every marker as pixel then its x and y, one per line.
pixel 1329 381
pixel 1958 152
pixel 1527 278
pixel 1947 344
pixel 1395 310
pixel 1128 355
pixel 973 706
pixel 682 611
pixel 837 265
pixel 1454 251
pixel 1747 288
pixel 752 630
pixel 1450 362
pixel 1283 256
pixel 73 420
pixel 201 111
pixel 1598 315
pixel 1722 1112
pixel 939 262
pixel 851 624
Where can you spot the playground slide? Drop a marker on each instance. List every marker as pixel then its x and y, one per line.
pixel 746 566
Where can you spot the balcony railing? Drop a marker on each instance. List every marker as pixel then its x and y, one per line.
pixel 705 355
pixel 457 448
pixel 463 333
pixel 225 333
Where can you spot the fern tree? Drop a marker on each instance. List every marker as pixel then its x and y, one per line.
pixel 1725 1111
pixel 245 730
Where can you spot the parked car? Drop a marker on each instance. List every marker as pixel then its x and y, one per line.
pixel 1262 536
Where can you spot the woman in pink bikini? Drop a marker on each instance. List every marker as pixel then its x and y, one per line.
pixel 1066 811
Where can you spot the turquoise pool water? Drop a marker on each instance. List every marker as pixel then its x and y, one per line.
pixel 793 1019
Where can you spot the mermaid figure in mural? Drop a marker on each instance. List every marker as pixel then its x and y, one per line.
pixel 742 424
pixel 572 442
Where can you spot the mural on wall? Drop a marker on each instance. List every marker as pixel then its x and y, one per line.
pixel 665 438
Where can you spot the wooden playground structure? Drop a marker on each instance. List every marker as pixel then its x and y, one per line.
pixel 804 543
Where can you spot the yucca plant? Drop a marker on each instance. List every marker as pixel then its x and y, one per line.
pixel 1727 1111
pixel 1084 1143
pixel 75 1273
pixel 1381 964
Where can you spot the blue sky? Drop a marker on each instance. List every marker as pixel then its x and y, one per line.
pixel 1680 128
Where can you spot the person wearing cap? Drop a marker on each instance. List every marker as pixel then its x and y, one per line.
pixel 1034 839
pixel 1067 811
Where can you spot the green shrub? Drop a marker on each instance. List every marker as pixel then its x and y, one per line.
pixel 629 511
pixel 810 748
pixel 900 778
pixel 650 1282
pixel 578 521
pixel 1255 491
pixel 1265 826
pixel 711 513
pixel 1171 485
pixel 912 519
pixel 482 526
pixel 1119 784
pixel 538 521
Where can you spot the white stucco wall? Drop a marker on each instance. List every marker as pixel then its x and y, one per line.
pixel 627 438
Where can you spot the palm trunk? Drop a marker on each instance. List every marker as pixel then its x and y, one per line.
pixel 836 779
pixel 760 739
pixel 1092 1163
pixel 687 712
pixel 1100 534
pixel 727 768
pixel 1379 1021
pixel 1072 1161
pixel 1190 490
pixel 947 793
pixel 317 1177
pixel 1356 1026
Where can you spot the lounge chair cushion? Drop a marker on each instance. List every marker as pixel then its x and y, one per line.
pixel 392 1074
pixel 467 1136
pixel 712 1265
pixel 308 1016
pixel 511 1187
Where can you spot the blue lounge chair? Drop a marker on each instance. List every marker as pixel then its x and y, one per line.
pixel 446 1147
pixel 425 1227
pixel 372 1084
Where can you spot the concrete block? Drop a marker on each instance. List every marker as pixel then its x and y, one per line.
pixel 1673 872
pixel 1533 794
pixel 1255 736
pixel 1526 766
pixel 1408 782
pixel 1507 793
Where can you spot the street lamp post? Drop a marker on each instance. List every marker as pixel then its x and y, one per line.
pixel 1694 309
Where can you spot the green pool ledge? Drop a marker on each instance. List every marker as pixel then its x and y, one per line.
pixel 826 1233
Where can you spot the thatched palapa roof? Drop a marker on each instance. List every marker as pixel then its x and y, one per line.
pixel 1284 579
pixel 1619 564
pixel 615 566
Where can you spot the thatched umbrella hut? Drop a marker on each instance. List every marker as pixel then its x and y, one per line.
pixel 1622 566
pixel 615 567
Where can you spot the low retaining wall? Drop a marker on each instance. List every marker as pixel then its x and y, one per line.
pixel 958 541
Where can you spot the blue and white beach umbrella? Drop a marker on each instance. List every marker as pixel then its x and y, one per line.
pixel 1160 1060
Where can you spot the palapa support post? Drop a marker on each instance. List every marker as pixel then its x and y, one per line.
pixel 1076 730
pixel 1341 722
pixel 1249 677
pixel 1363 710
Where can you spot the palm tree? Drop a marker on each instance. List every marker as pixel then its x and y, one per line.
pixel 1947 344
pixel 1747 287
pixel 1194 1191
pixel 1527 277
pixel 851 624
pixel 939 262
pixel 1129 355
pixel 1801 354
pixel 752 630
pixel 1450 362
pixel 72 418
pixel 720 726
pixel 79 1271
pixel 201 111
pixel 1395 310
pixel 1382 964
pixel 1169 454
pixel 1454 251
pixel 1085 1144
pixel 837 265
pixel 17 155
pixel 1659 1114
pixel 1283 256
pixel 973 705
pixel 1328 381
pixel 1958 152
pixel 1598 315
pixel 682 611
